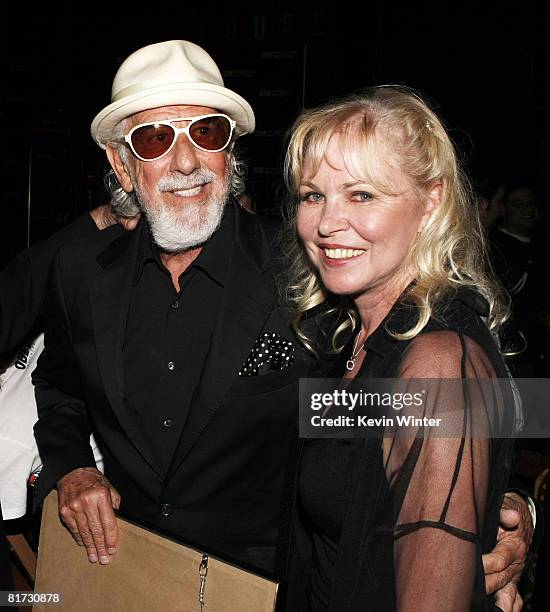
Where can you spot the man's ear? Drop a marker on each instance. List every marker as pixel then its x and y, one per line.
pixel 433 199
pixel 119 167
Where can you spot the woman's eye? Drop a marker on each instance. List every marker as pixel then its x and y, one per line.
pixel 362 196
pixel 311 196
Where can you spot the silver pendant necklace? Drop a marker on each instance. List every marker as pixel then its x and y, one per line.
pixel 350 363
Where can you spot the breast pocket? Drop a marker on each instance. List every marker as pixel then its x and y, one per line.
pixel 245 386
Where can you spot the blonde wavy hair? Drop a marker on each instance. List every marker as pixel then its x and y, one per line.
pixel 448 254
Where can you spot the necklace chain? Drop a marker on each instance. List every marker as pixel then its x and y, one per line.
pixel 350 363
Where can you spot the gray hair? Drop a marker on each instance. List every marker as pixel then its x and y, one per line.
pixel 125 204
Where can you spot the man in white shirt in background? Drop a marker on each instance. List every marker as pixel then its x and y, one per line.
pixel 19 457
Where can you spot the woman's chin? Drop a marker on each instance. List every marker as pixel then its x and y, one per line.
pixel 342 288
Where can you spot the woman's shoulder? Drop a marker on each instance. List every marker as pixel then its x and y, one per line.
pixel 456 340
pixel 445 353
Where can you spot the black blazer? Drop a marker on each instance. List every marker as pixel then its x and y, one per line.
pixel 23 279
pixel 227 488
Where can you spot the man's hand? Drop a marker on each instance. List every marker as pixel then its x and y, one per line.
pixel 104 217
pixel 504 564
pixel 86 502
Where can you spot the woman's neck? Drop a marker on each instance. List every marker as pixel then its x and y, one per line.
pixel 375 304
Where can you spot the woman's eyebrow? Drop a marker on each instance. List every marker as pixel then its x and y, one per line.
pixel 355 183
pixel 308 184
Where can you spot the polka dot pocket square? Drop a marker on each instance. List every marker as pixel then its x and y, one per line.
pixel 270 353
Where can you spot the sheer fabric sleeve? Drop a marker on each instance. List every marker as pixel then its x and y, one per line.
pixel 439 485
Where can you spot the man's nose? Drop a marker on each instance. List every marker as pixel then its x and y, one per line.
pixel 185 155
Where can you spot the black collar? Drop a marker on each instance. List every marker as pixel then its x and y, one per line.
pixel 213 258
pixel 252 235
pixel 455 308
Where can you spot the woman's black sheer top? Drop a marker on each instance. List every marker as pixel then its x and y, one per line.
pixel 400 523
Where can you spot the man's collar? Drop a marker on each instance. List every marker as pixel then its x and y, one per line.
pixel 213 258
pixel 250 236
pixel 146 251
pixel 525 239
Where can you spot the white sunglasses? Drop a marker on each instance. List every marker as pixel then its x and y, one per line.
pixel 153 140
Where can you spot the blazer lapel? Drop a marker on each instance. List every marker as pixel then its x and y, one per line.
pixel 248 300
pixel 110 299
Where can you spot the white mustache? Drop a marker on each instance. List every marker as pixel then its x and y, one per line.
pixel 177 182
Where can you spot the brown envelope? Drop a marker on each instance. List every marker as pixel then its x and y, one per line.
pixel 147 573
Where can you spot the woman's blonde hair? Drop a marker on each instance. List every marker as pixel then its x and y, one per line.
pixel 449 253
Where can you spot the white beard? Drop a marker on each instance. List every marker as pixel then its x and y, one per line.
pixel 176 230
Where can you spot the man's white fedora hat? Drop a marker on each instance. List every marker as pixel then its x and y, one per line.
pixel 175 72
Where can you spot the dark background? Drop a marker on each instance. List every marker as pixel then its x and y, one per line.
pixel 485 70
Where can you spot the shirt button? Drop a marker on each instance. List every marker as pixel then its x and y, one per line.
pixel 167 423
pixel 175 305
pixel 166 509
pixel 171 365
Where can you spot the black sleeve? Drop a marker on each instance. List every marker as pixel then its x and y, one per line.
pixel 23 281
pixel 63 428
pixel 446 483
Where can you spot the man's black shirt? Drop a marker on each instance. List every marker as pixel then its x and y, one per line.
pixel 168 335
